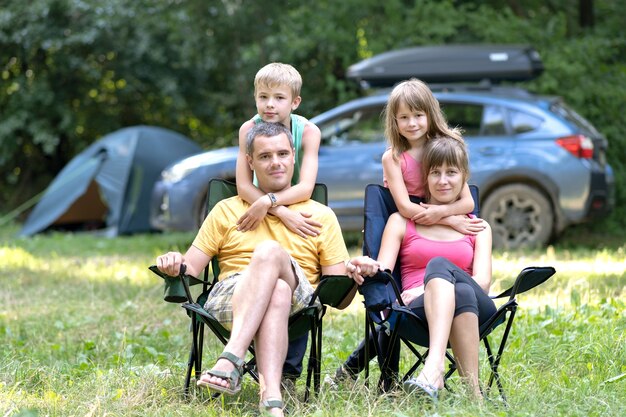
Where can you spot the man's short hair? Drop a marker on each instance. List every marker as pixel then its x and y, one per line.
pixel 277 74
pixel 267 129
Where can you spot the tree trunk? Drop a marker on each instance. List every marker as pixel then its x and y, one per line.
pixel 585 13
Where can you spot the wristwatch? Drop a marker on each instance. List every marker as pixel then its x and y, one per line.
pixel 272 199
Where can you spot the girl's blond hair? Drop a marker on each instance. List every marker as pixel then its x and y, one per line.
pixel 277 74
pixel 417 97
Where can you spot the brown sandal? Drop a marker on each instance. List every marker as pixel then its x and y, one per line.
pixel 233 377
pixel 266 405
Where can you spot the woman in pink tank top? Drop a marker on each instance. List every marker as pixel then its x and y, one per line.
pixel 445 274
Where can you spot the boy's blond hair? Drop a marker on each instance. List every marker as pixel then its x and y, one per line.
pixel 277 74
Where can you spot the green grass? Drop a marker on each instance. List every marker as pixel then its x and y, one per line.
pixel 84 332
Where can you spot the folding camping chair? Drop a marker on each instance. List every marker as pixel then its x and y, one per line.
pixel 400 324
pixel 332 291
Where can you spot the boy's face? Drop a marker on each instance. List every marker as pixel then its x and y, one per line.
pixel 272 161
pixel 275 104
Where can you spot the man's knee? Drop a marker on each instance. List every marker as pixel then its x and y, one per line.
pixel 269 250
pixel 281 296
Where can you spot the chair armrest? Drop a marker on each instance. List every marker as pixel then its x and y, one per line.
pixel 527 279
pixel 336 291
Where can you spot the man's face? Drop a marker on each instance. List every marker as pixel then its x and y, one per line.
pixel 273 162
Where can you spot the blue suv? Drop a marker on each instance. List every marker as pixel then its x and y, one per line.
pixel 539 165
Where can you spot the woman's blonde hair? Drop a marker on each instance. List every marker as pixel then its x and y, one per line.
pixel 277 74
pixel 442 150
pixel 417 97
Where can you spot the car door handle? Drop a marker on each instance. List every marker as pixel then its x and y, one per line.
pixel 490 150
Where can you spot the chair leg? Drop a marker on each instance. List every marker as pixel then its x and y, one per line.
pixel 318 360
pixel 367 349
pixel 192 363
pixel 370 331
pixel 200 349
pixel 311 366
pixel 494 361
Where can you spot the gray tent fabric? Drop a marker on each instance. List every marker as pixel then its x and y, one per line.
pixel 124 166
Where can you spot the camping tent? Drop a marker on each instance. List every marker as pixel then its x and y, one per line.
pixel 109 184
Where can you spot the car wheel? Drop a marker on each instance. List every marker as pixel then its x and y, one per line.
pixel 520 216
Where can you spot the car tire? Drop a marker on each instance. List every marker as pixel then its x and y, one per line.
pixel 520 216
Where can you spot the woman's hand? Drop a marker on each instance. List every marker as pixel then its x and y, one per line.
pixel 408 296
pixel 254 215
pixel 298 222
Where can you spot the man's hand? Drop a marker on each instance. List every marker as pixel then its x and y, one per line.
pixel 298 222
pixel 170 263
pixel 360 267
pixel 254 215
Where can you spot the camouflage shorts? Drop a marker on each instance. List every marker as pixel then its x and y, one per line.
pixel 220 306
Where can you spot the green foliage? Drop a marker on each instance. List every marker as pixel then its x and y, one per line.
pixel 74 70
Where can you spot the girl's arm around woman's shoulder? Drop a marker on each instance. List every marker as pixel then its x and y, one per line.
pixel 392 172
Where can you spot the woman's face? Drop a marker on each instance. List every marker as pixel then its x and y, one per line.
pixel 445 183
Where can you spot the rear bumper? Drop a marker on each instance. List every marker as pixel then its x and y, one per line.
pixel 601 200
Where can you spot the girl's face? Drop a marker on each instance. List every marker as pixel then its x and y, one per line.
pixel 445 184
pixel 413 125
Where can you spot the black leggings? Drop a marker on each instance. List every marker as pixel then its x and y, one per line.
pixel 468 296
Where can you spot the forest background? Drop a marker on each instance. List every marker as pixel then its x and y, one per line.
pixel 72 71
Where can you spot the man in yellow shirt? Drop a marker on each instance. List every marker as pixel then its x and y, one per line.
pixel 265 274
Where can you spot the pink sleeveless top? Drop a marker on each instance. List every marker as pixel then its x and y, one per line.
pixel 416 251
pixel 412 175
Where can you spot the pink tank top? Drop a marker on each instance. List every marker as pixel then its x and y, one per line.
pixel 416 251
pixel 412 175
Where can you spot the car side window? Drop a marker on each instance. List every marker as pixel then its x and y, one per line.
pixel 466 116
pixel 523 122
pixel 361 126
pixel 493 121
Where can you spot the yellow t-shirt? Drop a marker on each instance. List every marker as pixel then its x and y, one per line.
pixel 219 237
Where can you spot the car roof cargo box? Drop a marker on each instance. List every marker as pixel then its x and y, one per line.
pixel 449 64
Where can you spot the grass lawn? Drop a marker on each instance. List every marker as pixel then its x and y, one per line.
pixel 84 332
